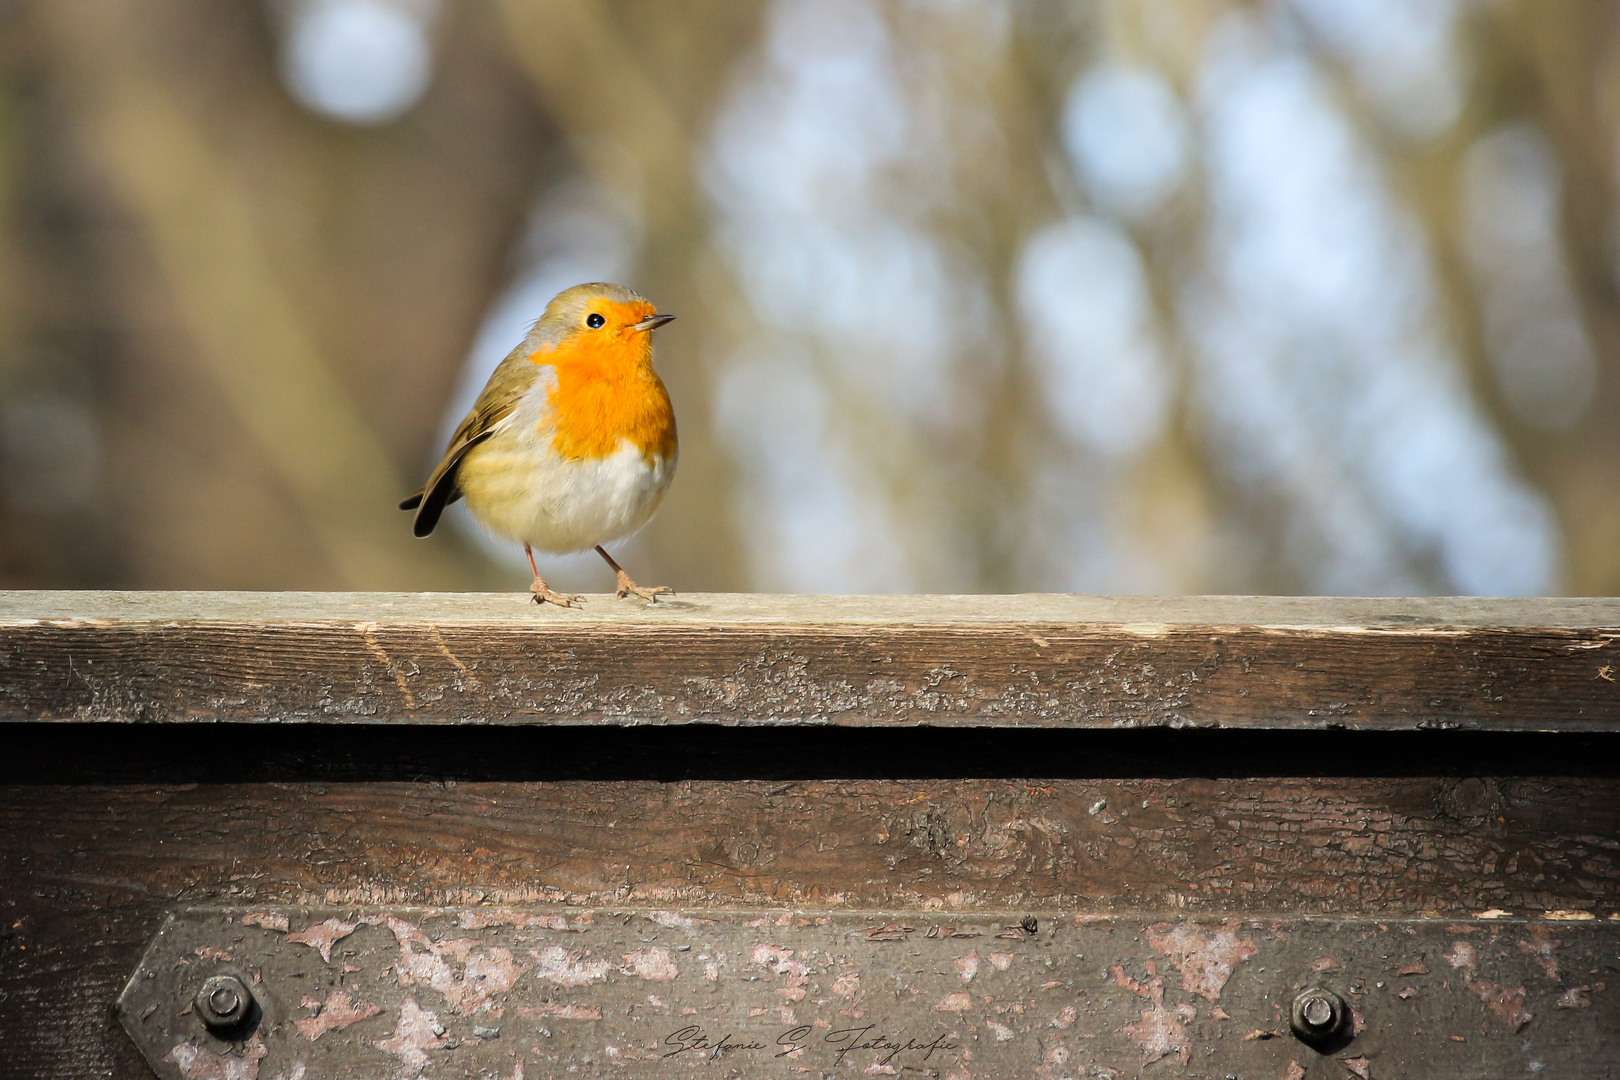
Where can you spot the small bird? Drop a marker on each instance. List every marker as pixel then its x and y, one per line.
pixel 572 443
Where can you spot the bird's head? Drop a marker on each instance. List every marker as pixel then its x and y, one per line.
pixel 600 318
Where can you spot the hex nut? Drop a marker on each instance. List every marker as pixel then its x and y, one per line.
pixel 1318 1015
pixel 224 1003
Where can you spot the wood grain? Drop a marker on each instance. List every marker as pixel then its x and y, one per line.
pixel 87 871
pixel 923 661
pixel 1360 758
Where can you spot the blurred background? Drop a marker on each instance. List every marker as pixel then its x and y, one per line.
pixel 1130 296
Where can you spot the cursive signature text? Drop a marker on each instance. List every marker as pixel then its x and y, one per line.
pixel 693 1038
pixel 841 1042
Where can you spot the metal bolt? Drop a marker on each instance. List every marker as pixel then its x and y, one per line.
pixel 1318 1014
pixel 224 1002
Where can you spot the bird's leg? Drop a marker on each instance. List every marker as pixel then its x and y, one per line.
pixel 542 592
pixel 626 586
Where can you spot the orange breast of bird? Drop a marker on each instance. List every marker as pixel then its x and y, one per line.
pixel 606 393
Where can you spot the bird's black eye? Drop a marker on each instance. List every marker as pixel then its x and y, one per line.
pixel 595 321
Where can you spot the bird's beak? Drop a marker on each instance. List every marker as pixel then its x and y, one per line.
pixel 652 322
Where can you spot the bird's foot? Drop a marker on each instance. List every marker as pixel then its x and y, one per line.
pixel 649 594
pixel 542 594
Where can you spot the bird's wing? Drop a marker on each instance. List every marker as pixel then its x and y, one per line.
pixel 501 395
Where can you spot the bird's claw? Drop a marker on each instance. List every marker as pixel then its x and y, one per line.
pixel 542 594
pixel 647 593
pixel 650 595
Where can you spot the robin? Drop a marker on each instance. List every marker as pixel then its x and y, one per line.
pixel 571 445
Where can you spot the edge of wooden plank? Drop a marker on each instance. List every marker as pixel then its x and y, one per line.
pixel 1343 614
pixel 905 661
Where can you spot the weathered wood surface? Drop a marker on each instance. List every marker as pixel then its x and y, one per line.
pixel 1062 661
pixel 1325 845
pixel 87 872
pixel 967 769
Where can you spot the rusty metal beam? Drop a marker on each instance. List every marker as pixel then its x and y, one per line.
pixel 656 993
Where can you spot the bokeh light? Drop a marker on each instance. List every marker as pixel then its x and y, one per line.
pixel 1239 296
pixel 1125 132
pixel 359 61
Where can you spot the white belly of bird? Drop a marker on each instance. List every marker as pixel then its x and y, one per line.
pixel 533 495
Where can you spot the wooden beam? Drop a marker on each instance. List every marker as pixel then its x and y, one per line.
pixel 926 661
pixel 920 805
pixel 89 871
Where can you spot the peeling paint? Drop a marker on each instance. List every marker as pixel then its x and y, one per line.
pixel 568 968
pixel 424 962
pixel 200 1063
pixel 477 919
pixel 1153 989
pixel 416 1032
pixel 780 961
pixel 653 964
pixel 335 1013
pixel 1162 1031
pixel 1575 997
pixel 1205 963
pixel 1462 957
pixel 1540 947
pixel 674 920
pixel 324 935
pixel 428 986
pixel 1504 1002
pixel 560 1011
